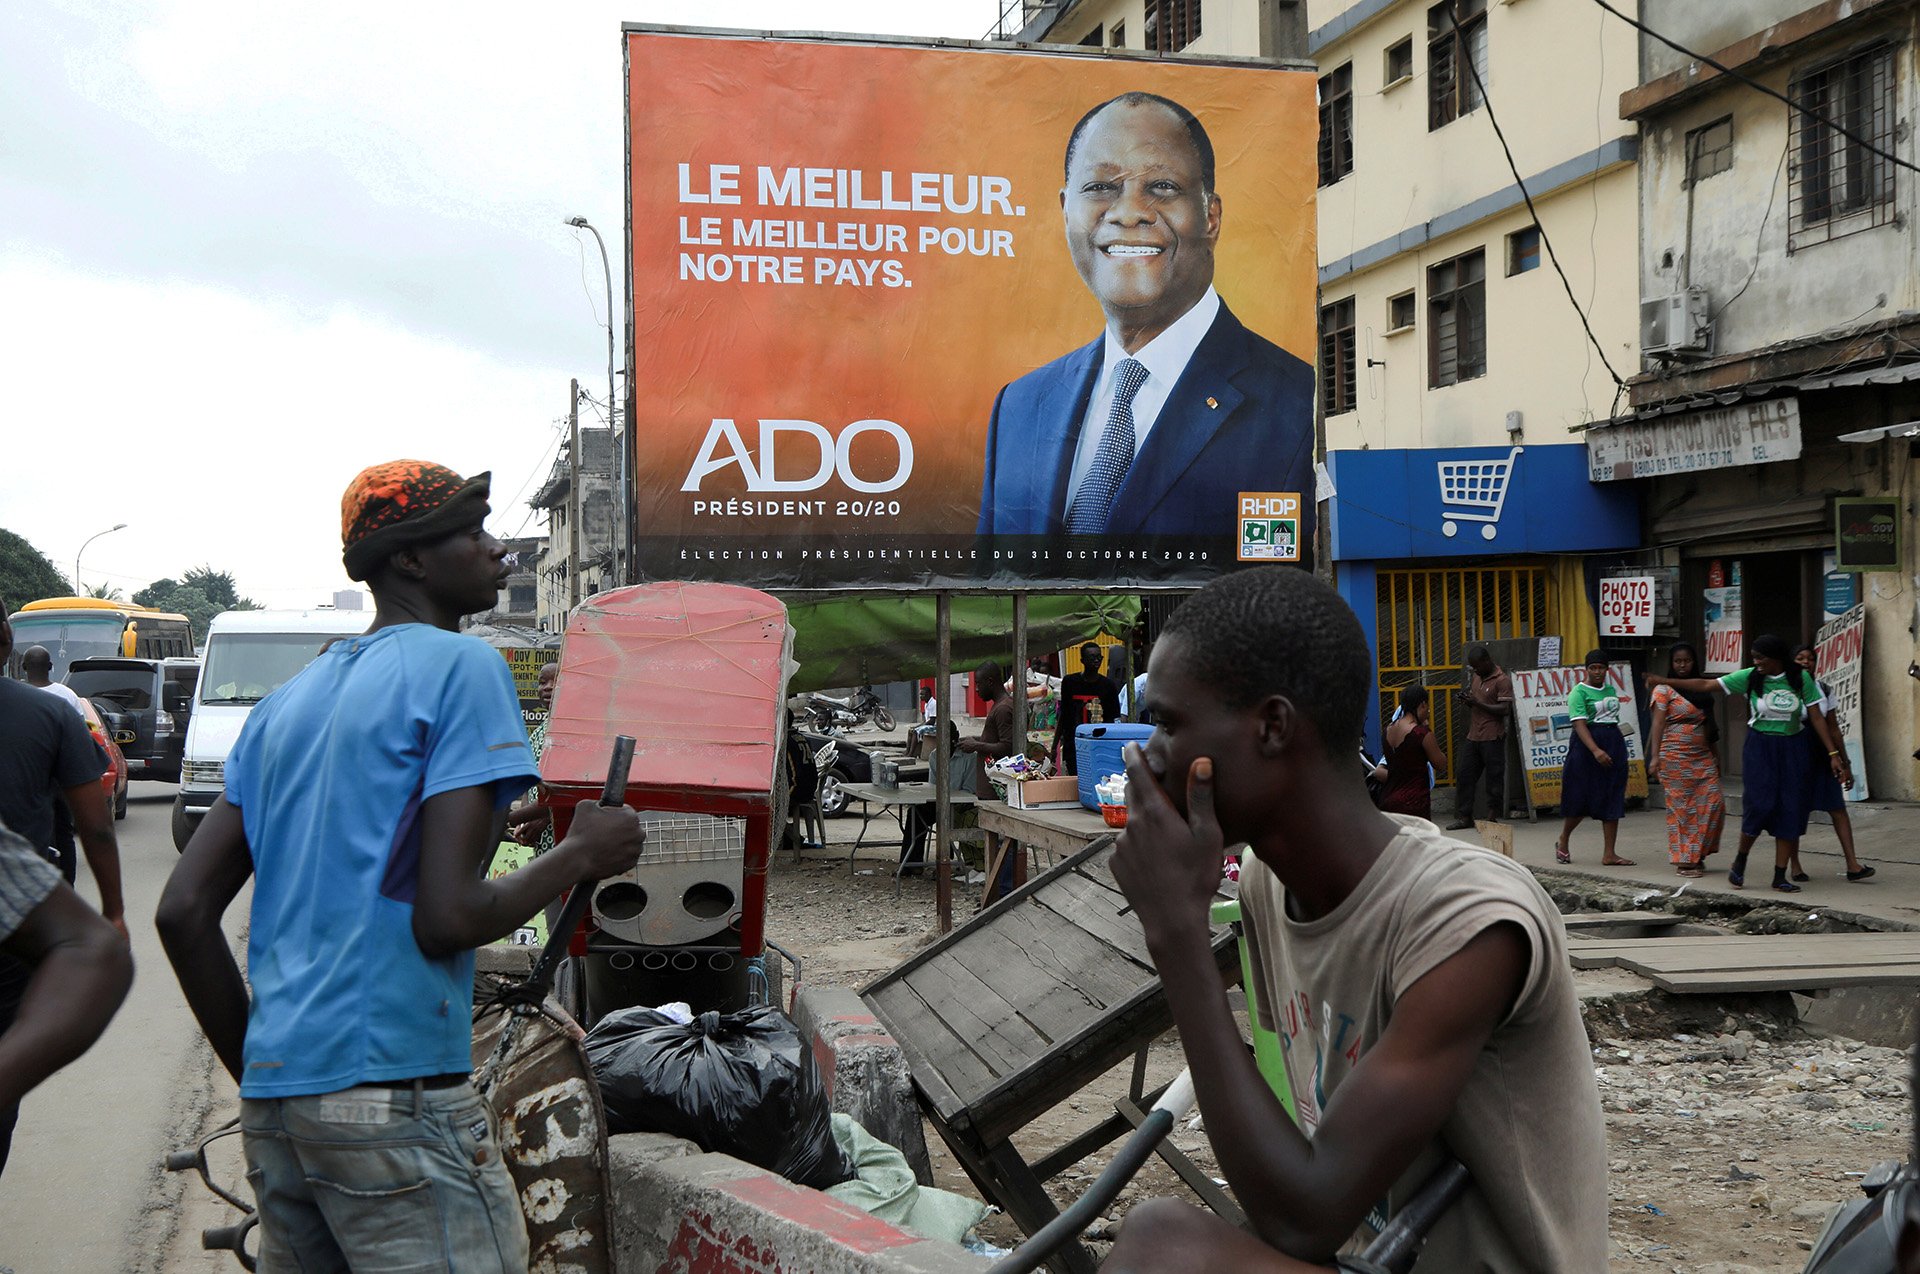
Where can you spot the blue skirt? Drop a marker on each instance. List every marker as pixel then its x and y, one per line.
pixel 1826 794
pixel 1775 785
pixel 1589 789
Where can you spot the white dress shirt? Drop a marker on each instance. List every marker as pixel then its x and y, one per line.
pixel 1164 357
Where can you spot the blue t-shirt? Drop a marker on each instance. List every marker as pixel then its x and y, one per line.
pixel 329 776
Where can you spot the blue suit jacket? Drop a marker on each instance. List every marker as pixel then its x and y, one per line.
pixel 1257 435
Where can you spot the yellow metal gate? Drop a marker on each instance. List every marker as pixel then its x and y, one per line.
pixel 1428 618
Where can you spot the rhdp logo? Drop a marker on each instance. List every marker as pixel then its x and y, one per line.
pixel 1269 526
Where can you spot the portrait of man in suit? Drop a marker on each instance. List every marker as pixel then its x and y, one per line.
pixel 1157 425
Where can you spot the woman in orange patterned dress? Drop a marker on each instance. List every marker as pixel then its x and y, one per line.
pixel 1681 754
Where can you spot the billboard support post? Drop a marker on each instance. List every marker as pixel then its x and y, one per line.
pixel 943 760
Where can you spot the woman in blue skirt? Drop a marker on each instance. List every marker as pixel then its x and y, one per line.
pixel 1594 782
pixel 1828 796
pixel 1782 700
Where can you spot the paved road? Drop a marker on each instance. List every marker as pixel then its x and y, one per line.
pixel 83 1191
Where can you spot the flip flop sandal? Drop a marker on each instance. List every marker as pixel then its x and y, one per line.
pixel 1619 862
pixel 1560 854
pixel 1786 886
pixel 1738 879
pixel 1862 874
pixel 1691 873
pixel 1802 877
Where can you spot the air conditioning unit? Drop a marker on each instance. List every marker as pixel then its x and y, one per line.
pixel 1677 324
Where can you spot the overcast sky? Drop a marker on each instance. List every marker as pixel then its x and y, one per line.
pixel 247 249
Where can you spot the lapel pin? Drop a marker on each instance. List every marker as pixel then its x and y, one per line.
pixel 1213 402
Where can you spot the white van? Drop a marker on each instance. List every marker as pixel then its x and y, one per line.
pixel 247 655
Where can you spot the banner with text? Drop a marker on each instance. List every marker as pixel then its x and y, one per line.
pixel 885 295
pixel 1837 649
pixel 1540 706
pixel 1626 606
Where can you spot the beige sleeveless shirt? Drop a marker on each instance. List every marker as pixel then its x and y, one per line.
pixel 1527 1124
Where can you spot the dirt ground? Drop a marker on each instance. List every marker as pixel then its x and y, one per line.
pixel 1726 1149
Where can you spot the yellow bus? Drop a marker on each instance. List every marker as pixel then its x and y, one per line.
pixel 84 627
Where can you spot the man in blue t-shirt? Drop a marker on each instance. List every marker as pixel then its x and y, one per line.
pixel 364 797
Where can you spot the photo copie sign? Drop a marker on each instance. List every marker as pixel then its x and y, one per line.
pixel 1626 606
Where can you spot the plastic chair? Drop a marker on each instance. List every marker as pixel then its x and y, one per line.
pixel 807 813
pixel 1266 1045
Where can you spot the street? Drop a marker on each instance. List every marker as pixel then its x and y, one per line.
pixel 84 1190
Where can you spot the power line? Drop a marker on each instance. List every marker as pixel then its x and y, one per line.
pixel 1752 83
pixel 1545 242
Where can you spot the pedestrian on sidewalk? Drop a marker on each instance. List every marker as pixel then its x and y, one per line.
pixel 1683 753
pixel 1826 794
pixel 1593 783
pixel 1411 749
pixel 75 970
pixel 1782 700
pixel 1489 697
pixel 365 798
pixel 1087 697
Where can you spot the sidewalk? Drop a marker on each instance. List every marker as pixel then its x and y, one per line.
pixel 1886 837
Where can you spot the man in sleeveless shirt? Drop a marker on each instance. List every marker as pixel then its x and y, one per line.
pixel 1419 985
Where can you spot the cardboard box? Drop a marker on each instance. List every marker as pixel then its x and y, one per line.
pixel 1497 837
pixel 1044 794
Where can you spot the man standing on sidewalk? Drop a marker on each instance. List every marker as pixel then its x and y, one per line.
pixel 46 755
pixel 1489 696
pixel 366 797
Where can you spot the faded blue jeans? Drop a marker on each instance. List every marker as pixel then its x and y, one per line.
pixel 392 1179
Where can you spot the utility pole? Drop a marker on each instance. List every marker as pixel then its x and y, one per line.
pixel 574 503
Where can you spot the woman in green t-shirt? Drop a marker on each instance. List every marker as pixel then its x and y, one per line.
pixel 1782 700
pixel 1593 783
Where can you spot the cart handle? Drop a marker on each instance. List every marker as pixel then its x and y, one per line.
pixel 540 981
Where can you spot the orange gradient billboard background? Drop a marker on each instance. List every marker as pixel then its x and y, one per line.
pixel 841 253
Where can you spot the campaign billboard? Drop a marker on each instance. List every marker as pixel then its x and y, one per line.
pixel 916 316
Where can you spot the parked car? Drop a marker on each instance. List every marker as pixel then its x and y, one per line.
pixel 249 654
pixel 145 705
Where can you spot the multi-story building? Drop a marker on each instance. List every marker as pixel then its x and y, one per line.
pixel 593 506
pixel 1456 377
pixel 1779 282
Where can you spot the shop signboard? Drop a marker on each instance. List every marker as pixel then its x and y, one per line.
pixel 1866 533
pixel 1688 442
pixel 1836 663
pixel 1627 606
pixel 1474 501
pixel 1726 643
pixel 870 344
pixel 1839 589
pixel 1540 706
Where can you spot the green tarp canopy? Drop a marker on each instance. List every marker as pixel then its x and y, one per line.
pixel 842 642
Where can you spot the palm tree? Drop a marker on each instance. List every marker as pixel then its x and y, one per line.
pixel 106 593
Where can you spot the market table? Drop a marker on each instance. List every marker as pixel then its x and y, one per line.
pixel 895 801
pixel 1061 833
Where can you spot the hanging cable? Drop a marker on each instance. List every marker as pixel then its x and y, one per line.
pixel 1752 83
pixel 1480 86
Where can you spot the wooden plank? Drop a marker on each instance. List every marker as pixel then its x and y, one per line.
pixel 1803 979
pixel 978 1013
pixel 1829 948
pixel 1072 956
pixel 910 1017
pixel 1081 902
pixel 1699 961
pixel 1099 869
pixel 1608 919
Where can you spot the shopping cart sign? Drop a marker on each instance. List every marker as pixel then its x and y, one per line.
pixel 1269 526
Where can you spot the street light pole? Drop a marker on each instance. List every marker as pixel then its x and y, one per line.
pixel 118 526
pixel 624 569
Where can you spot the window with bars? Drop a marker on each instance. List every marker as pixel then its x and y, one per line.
pixel 1172 25
pixel 1456 31
pixel 1336 124
pixel 1838 185
pixel 1457 319
pixel 1337 373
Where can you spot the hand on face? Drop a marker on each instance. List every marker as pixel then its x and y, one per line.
pixel 1169 866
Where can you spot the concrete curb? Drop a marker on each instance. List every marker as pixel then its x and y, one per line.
pixel 864 1070
pixel 677 1211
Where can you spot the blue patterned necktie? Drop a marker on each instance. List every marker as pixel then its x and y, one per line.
pixel 1094 501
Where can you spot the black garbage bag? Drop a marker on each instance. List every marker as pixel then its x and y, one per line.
pixel 741 1084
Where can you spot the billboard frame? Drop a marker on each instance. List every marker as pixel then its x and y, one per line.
pixel 1316 560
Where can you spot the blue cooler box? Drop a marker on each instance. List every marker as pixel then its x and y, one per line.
pixel 1096 753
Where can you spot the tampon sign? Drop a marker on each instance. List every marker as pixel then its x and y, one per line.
pixel 1626 606
pixel 887 298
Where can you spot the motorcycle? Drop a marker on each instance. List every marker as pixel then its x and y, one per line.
pixel 831 715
